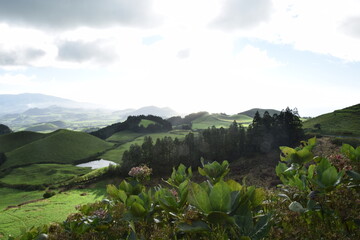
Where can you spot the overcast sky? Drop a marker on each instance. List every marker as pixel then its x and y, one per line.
pixel 190 55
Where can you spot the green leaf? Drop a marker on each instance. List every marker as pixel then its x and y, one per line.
pixel 329 177
pixel 137 210
pixel 262 228
pixel 220 218
pixel 126 187
pixel 311 170
pixel 354 175
pixel 132 199
pixel 296 207
pixel 220 198
pixel 199 198
pixel 286 153
pixel 194 227
pixel 234 186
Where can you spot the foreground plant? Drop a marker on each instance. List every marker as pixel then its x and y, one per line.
pixel 319 196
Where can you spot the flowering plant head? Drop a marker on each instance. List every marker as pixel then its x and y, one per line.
pixel 141 172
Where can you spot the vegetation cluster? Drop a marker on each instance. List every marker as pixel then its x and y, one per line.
pixel 215 144
pixel 133 124
pixel 318 199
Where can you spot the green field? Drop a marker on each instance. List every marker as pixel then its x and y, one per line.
pixel 219 120
pixel 124 136
pixel 344 122
pixel 62 146
pixel 9 142
pixel 145 123
pixel 38 174
pixel 54 209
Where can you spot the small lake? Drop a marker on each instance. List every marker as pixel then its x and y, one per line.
pixel 97 164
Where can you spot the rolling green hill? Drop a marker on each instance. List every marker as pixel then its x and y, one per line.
pixel 62 146
pixel 251 112
pixel 344 122
pixel 15 140
pixel 220 120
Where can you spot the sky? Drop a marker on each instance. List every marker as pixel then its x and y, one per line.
pixel 190 55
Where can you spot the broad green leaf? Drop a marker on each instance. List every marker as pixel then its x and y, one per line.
pixel 116 193
pixel 137 210
pixel 261 228
pixel 258 197
pixel 125 186
pixel 220 198
pixel 329 176
pixel 132 199
pixel 198 197
pixel 296 207
pixel 304 156
pixel 311 170
pixel 286 153
pixel 194 227
pixel 220 218
pixel 354 175
pixel 234 186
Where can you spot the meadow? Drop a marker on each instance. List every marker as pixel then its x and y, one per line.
pixel 54 209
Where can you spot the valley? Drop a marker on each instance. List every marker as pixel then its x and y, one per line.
pixel 36 162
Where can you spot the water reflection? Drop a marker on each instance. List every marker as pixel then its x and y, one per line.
pixel 97 164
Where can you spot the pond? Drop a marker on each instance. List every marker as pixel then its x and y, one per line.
pixel 97 164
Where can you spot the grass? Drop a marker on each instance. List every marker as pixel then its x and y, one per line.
pixel 116 154
pixel 54 209
pixel 9 142
pixel 62 146
pixel 124 136
pixel 43 127
pixel 219 120
pixel 145 123
pixel 38 174
pixel 344 122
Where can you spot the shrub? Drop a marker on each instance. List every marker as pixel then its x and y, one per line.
pixel 48 194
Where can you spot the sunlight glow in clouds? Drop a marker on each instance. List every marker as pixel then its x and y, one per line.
pixel 181 53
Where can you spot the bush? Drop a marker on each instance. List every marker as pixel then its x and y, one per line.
pixel 48 194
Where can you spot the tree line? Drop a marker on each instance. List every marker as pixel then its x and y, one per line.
pixel 264 134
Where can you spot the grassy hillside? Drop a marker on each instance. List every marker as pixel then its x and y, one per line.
pixel 62 146
pixel 39 174
pixel 219 120
pixel 251 112
pixel 43 127
pixel 344 122
pixel 54 209
pixel 15 140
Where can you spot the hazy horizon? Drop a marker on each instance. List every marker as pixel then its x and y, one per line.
pixel 206 55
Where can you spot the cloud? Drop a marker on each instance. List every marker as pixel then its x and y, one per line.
pixel 78 51
pixel 16 80
pixel 20 56
pixel 243 14
pixel 65 14
pixel 184 53
pixel 351 26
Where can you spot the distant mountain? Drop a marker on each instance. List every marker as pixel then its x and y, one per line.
pixel 343 122
pixel 18 103
pixel 251 112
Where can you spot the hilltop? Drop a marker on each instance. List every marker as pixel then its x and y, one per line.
pixel 62 146
pixel 204 120
pixel 343 122
pixel 251 112
pixel 140 123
